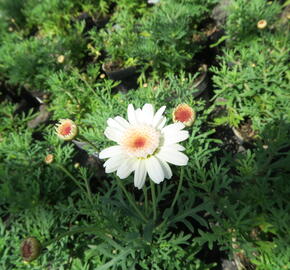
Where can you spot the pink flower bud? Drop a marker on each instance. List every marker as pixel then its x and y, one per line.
pixel 185 114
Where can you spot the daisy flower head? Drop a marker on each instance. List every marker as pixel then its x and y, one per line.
pixel 66 129
pixel 185 114
pixel 144 145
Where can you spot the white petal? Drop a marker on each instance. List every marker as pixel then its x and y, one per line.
pixel 140 174
pixel 148 113
pixel 166 169
pixel 154 169
pixel 113 163
pixel 123 122
pixel 175 136
pixel 172 156
pixel 162 123
pixel 173 128
pixel 111 151
pixel 115 125
pixel 158 116
pixel 113 134
pixel 127 168
pixel 131 114
pixel 140 119
pixel 177 147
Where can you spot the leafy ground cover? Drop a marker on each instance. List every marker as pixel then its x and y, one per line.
pixel 201 184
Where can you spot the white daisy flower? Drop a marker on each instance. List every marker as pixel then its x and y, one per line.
pixel 145 145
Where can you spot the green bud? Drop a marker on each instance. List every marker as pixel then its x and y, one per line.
pixel 30 249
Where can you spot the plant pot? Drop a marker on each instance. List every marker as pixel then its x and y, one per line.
pixel 116 73
pixel 91 22
pixel 202 81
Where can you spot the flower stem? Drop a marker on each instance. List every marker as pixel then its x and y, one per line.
pixel 82 138
pixel 131 200
pixel 145 199
pixel 89 191
pixel 152 185
pixel 69 175
pixel 179 188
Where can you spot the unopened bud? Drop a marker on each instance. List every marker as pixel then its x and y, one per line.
pixel 48 159
pixel 66 129
pixel 76 165
pixel 60 59
pixel 185 114
pixel 30 249
pixel 262 24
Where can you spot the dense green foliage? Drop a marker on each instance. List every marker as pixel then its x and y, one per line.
pixel 231 201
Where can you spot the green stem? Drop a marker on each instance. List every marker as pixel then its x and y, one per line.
pixel 69 175
pixel 145 199
pixel 179 188
pixel 152 185
pixel 82 138
pixel 89 191
pixel 130 200
pixel 78 230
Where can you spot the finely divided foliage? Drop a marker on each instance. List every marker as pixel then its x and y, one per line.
pixel 118 152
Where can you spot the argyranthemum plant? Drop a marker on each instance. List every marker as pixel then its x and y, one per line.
pixel 145 145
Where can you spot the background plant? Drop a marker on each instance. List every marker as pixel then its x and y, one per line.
pixel 253 82
pixel 241 24
pixel 164 44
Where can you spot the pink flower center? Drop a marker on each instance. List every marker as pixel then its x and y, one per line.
pixel 141 141
pixel 65 129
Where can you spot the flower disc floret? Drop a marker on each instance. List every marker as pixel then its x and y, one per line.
pixel 141 141
pixel 144 145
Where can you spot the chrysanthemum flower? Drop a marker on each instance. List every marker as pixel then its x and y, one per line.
pixel 145 145
pixel 66 129
pixel 185 114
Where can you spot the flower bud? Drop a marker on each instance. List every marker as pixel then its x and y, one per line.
pixel 30 249
pixel 48 159
pixel 60 59
pixel 66 129
pixel 185 114
pixel 262 24
pixel 76 165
